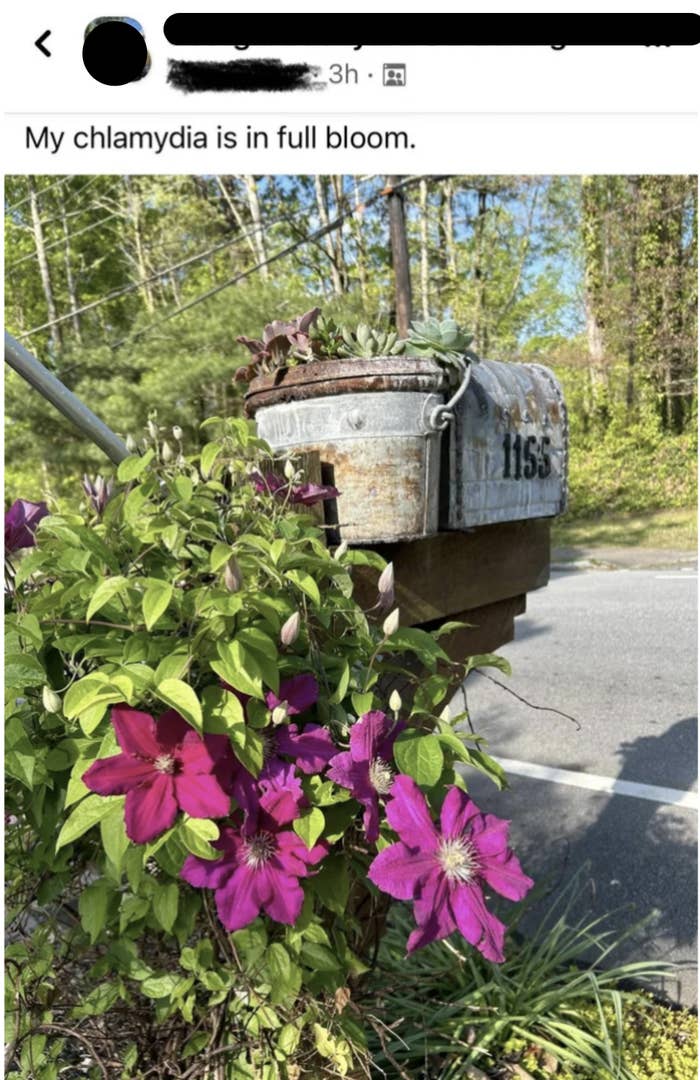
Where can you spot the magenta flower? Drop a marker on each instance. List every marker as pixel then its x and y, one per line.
pixel 298 693
pixel 260 870
pixel 306 494
pixel 21 521
pixel 278 790
pixel 164 767
pixel 366 768
pixel 442 871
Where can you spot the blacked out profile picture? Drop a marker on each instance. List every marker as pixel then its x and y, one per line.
pixel 115 51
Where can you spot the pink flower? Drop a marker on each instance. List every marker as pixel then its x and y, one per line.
pixel 260 870
pixel 442 871
pixel 164 767
pixel 306 494
pixel 21 521
pixel 366 769
pixel 278 790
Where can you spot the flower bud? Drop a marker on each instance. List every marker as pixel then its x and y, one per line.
pixel 385 586
pixel 290 631
pixel 233 578
pixel 279 714
pixel 289 470
pixel 177 433
pixel 391 623
pixel 131 444
pixel 341 550
pixel 152 429
pixel 166 452
pixel 395 701
pixel 50 700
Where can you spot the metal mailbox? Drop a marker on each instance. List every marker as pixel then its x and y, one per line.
pixel 506 455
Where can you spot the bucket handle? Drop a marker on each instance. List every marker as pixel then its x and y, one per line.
pixel 442 415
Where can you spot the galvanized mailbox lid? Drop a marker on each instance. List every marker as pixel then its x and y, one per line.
pixel 508 448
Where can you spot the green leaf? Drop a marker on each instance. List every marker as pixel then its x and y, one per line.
pixel 86 814
pixel 219 556
pixel 160 986
pixel 485 764
pixel 319 957
pixel 419 642
pixel 249 747
pixel 105 591
pixel 165 903
pixel 132 467
pixel 362 703
pixel 180 696
pixel 155 601
pixel 282 974
pixel 338 818
pixel 184 488
pixel 239 667
pixel 342 687
pixel 22 669
pixel 114 838
pixel 196 834
pixel 208 456
pixel 310 826
pixel 332 883
pixel 82 694
pixel 419 756
pixel 489 660
pixel 93 906
pixel 306 583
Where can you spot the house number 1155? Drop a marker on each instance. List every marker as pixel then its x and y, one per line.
pixel 526 458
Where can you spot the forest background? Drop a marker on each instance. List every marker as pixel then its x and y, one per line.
pixel 133 289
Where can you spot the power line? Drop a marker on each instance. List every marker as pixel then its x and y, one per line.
pixel 312 237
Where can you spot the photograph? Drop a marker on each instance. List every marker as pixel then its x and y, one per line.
pixel 351 625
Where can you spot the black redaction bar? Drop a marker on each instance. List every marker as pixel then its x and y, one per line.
pixel 660 29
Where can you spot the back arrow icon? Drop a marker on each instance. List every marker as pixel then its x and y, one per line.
pixel 40 43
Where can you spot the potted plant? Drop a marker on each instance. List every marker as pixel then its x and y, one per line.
pixel 373 406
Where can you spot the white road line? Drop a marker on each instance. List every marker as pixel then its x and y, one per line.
pixel 670 796
pixel 676 577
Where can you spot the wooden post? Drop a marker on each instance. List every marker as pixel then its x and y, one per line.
pixel 399 256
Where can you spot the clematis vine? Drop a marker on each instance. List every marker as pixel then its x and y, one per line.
pixel 277 789
pixel 260 870
pixel 99 492
pixel 366 768
pixel 164 767
pixel 21 521
pixel 304 494
pixel 443 870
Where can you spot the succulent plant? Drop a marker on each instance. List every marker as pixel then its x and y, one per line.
pixel 366 343
pixel 443 341
pixel 281 343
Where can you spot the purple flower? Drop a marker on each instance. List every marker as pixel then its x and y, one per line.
pixel 164 767
pixel 98 491
pixel 298 693
pixel 260 869
pixel 304 494
pixel 442 871
pixel 277 790
pixel 366 768
pixel 21 521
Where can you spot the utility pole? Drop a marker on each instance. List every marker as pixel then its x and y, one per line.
pixel 399 255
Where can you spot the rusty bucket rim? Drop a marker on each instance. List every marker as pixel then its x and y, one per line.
pixel 326 378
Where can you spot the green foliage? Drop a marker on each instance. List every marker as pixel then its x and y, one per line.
pixel 133 607
pixel 366 343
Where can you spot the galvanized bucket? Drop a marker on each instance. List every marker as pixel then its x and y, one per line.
pixel 377 426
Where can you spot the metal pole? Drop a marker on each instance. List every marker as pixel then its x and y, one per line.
pixel 26 365
pixel 399 255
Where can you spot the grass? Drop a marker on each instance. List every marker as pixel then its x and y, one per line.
pixel 449 1014
pixel 664 529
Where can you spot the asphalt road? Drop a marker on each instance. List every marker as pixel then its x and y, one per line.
pixel 617 650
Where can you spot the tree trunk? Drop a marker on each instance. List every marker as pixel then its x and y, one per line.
pixel 44 272
pixel 596 265
pixel 361 248
pixel 256 216
pixel 481 333
pixel 324 217
pixel 70 280
pixel 424 258
pixel 134 216
pixel 339 196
